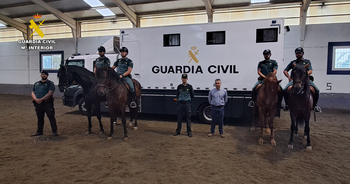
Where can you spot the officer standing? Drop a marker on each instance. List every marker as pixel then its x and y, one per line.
pixel 42 96
pixel 217 98
pixel 102 60
pixel 264 68
pixel 184 95
pixel 124 68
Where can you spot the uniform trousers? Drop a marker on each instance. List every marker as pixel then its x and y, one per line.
pixel 183 109
pixel 41 109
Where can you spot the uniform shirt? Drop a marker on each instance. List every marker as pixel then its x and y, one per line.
pixel 42 88
pixel 102 61
pixel 267 67
pixel 184 93
pixel 123 65
pixel 217 97
pixel 302 62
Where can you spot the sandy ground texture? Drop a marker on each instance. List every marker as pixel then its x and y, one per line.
pixel 153 155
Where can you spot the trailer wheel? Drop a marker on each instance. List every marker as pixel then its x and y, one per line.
pixel 83 109
pixel 204 113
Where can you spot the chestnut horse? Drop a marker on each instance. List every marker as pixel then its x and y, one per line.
pixel 267 100
pixel 115 89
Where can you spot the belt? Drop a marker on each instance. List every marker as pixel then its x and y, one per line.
pixel 217 106
pixel 184 102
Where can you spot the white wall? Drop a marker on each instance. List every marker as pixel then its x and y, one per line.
pixel 316 50
pixel 22 67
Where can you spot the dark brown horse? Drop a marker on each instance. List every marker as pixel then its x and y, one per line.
pixel 300 103
pixel 116 91
pixel 267 100
pixel 86 79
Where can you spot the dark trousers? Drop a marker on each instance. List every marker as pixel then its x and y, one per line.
pixel 183 109
pixel 41 109
pixel 217 117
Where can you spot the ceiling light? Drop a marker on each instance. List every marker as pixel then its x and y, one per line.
pixel 259 1
pixel 105 12
pixel 94 3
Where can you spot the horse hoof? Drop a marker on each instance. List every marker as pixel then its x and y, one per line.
pixel 290 146
pixel 252 128
pixel 135 128
pixel 130 124
pixel 109 138
pixel 87 132
pixel 273 142
pixel 308 147
pixel 261 141
pixel 268 130
pixel 125 139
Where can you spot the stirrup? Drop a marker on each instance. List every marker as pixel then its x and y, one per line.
pixel 317 108
pixel 251 103
pixel 133 105
pixel 106 105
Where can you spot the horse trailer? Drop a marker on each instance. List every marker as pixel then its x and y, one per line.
pixel 229 51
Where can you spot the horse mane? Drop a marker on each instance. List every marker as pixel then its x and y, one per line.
pixel 80 69
pixel 111 74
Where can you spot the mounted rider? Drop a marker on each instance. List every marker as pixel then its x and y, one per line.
pixel 124 67
pixel 102 60
pixel 299 53
pixel 264 68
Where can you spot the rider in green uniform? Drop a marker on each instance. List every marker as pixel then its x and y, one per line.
pixel 264 68
pixel 102 60
pixel 299 53
pixel 124 67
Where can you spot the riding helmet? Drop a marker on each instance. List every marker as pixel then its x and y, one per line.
pixel 124 49
pixel 266 51
pixel 299 50
pixel 101 49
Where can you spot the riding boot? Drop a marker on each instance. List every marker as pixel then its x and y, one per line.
pixel 252 102
pixel 286 99
pixel 133 103
pixel 315 106
pixel 280 96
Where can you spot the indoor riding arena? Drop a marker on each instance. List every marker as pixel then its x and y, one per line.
pixel 189 58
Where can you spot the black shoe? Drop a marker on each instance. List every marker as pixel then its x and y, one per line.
pixel 175 134
pixel 189 134
pixel 55 134
pixel 280 106
pixel 37 134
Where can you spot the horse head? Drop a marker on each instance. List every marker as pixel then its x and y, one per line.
pixel 270 88
pixel 65 80
pixel 102 80
pixel 299 76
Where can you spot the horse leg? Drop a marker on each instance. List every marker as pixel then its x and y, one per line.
pixel 262 123
pixel 292 129
pixel 307 131
pixel 254 119
pixel 136 110
pixel 98 115
pixel 124 124
pixel 88 107
pixel 273 142
pixel 112 118
pixel 131 115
